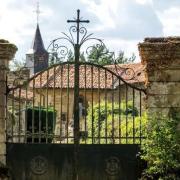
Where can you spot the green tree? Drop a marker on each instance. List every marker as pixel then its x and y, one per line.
pixel 121 59
pixel 99 54
pixel 70 56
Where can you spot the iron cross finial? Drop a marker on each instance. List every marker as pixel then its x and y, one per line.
pixel 78 21
pixel 37 11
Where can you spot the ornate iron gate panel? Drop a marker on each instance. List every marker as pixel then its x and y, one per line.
pixel 73 111
pixel 55 161
pixel 42 110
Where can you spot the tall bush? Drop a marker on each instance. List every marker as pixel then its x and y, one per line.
pixel 120 123
pixel 161 149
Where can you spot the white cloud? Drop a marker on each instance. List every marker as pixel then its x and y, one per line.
pixel 170 19
pixel 105 10
pixel 128 47
pixel 17 23
pixel 14 23
pixel 144 1
pixel 121 23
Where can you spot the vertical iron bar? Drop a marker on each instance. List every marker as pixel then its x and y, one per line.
pixel 61 94
pixel 76 104
pixel 99 106
pixel 47 106
pixel 67 125
pixel 33 112
pixel 119 92
pixel 40 101
pixel 92 110
pixel 76 95
pixel 54 102
pixel 133 117
pixel 19 122
pixel 6 105
pixel 140 114
pixel 126 113
pixel 25 129
pixel 106 133
pixel 85 106
pixel 112 99
pixel 14 120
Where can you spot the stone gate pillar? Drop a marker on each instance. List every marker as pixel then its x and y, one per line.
pixel 161 57
pixel 7 52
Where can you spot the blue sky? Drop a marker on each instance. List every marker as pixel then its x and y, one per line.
pixel 120 23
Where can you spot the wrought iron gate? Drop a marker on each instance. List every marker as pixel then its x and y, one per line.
pixel 75 120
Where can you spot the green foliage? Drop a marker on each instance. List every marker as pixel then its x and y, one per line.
pixel 101 55
pixel 136 128
pixel 116 122
pixel 121 59
pixel 161 149
pixel 70 56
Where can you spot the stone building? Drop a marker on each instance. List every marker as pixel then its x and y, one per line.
pixel 54 88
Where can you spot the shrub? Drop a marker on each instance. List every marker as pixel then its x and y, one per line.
pixel 161 149
pixel 119 123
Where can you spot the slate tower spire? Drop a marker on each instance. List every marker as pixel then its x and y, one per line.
pixel 37 56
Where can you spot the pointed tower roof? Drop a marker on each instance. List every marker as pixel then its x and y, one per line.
pixel 38 45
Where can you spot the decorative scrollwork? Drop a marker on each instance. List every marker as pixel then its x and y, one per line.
pixel 58 50
pixel 95 48
pixel 72 29
pixel 126 72
pixel 39 165
pixel 113 167
pixel 78 36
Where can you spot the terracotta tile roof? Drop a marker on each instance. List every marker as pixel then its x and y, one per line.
pixel 64 77
pixel 131 73
pixel 89 76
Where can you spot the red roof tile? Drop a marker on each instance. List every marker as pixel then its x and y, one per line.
pixel 89 76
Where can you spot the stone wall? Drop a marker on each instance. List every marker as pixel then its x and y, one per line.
pixel 7 52
pixel 161 56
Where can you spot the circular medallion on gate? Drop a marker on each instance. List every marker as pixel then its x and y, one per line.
pixel 112 166
pixel 39 165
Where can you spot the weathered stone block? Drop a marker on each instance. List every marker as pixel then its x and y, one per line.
pixel 163 101
pixel 3 149
pixel 164 88
pixel 7 52
pixel 161 111
pixel 2 136
pixel 164 75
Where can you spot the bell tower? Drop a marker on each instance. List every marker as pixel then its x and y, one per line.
pixel 37 56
